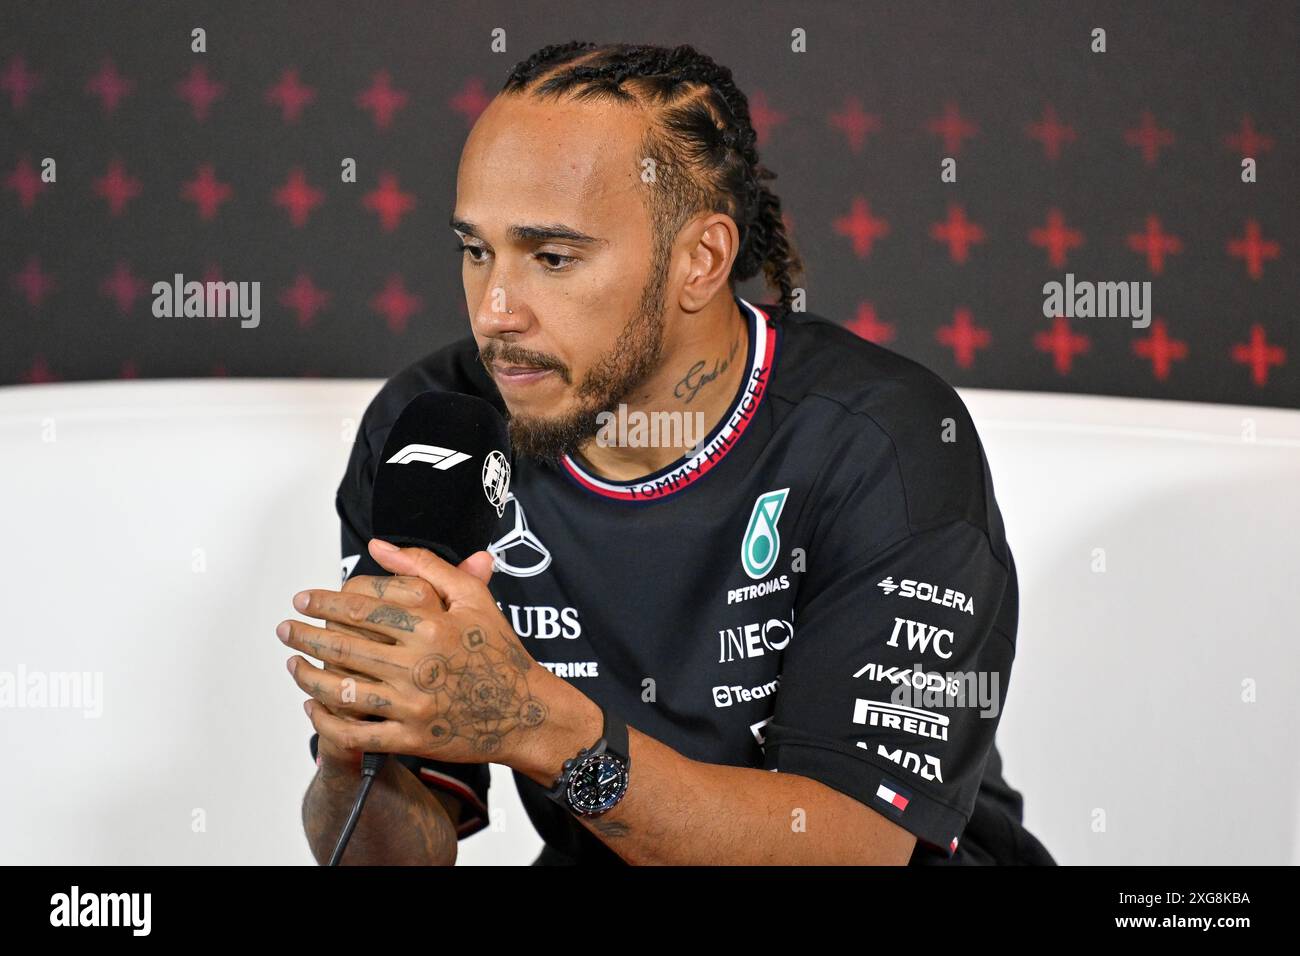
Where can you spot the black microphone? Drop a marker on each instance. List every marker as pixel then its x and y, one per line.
pixel 441 484
pixel 443 476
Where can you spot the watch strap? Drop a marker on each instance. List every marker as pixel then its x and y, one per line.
pixel 613 740
pixel 614 733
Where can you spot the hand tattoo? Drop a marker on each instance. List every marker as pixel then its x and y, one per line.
pixel 396 617
pixel 481 691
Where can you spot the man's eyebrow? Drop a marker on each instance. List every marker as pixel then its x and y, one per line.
pixel 541 233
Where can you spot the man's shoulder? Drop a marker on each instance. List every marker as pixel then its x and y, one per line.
pixel 451 368
pixel 869 399
pixel 821 359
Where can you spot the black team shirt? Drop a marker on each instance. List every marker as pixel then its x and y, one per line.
pixel 824 589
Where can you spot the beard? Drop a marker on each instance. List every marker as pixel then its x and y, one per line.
pixel 634 357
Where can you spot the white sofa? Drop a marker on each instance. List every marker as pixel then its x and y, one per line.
pixel 155 531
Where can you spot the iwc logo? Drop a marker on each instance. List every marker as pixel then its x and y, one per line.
pixel 762 544
pixel 496 479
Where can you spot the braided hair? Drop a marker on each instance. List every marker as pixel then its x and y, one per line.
pixel 700 137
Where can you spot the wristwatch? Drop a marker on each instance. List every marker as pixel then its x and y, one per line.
pixel 595 780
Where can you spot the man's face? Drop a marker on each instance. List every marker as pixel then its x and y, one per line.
pixel 587 327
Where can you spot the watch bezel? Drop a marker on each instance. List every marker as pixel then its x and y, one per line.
pixel 579 801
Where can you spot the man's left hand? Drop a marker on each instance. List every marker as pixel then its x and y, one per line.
pixel 455 684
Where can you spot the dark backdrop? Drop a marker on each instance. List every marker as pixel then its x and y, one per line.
pixel 113 93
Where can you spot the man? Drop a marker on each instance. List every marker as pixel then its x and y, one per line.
pixel 815 581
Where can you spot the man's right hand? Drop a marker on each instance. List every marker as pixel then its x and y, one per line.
pixel 430 836
pixel 400 589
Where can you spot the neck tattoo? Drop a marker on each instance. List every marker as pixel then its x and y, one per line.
pixel 696 378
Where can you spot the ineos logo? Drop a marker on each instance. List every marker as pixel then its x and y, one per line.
pixel 754 640
pixel 777 634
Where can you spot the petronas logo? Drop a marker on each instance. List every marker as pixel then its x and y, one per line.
pixel 762 540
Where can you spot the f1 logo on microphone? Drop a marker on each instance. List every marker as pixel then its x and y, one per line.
pixel 440 458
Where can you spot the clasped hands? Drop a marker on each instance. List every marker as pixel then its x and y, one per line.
pixel 427 651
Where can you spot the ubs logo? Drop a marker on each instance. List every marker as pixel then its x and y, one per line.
pixel 543 623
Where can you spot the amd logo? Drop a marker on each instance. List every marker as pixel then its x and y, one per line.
pixel 929 769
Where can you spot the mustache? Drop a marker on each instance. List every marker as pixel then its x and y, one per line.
pixel 505 353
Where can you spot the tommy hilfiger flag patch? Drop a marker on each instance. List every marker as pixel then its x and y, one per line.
pixel 893 794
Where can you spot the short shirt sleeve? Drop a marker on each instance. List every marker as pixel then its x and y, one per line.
pixel 892 688
pixel 467 781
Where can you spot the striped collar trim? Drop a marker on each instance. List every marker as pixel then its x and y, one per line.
pixel 682 474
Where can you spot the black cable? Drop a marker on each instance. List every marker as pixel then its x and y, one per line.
pixel 371 764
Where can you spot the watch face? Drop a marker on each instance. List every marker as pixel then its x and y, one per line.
pixel 597 783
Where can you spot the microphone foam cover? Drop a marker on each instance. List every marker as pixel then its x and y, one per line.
pixel 443 477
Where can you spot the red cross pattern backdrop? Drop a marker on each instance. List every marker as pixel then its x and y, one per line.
pixel 1084 143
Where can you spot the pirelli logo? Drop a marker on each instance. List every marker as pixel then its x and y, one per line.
pixel 908 720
